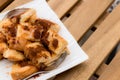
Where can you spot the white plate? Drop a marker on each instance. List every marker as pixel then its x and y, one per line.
pixel 76 56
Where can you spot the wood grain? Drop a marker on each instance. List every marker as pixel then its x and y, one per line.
pixel 85 16
pixel 61 6
pixel 16 3
pixel 101 19
pixel 97 53
pixel 103 28
pixel 101 69
pixel 4 3
pixel 112 72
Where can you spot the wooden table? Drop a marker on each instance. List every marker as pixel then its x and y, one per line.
pixel 94 28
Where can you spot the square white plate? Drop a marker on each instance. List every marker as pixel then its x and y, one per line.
pixel 76 56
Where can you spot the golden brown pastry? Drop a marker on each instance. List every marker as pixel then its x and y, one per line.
pixel 19 72
pixel 13 55
pixel 18 43
pixel 28 32
pixel 37 53
pixel 54 41
pixel 30 14
pixel 3 45
pixel 2 37
pixel 47 25
pixel 3 48
pixel 8 28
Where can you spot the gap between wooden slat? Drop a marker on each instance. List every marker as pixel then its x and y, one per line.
pixel 97 53
pixel 61 6
pixel 4 4
pixel 76 6
pixel 112 72
pixel 16 3
pixel 101 69
pixel 101 19
pixel 89 32
pixel 108 23
pixel 65 17
pixel 106 62
pixel 85 16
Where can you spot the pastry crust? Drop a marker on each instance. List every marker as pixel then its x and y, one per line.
pixel 3 48
pixel 37 53
pixel 47 24
pixel 13 55
pixel 19 72
pixel 54 42
pixel 29 14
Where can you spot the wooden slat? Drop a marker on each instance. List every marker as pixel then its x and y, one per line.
pixel 101 69
pixel 106 24
pixel 97 53
pixel 16 3
pixel 61 6
pixel 85 16
pixel 112 72
pixel 101 19
pixel 4 3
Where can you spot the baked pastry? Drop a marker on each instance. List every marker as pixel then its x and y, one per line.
pixel 37 53
pixel 13 55
pixel 3 45
pixel 3 48
pixel 54 42
pixel 32 43
pixel 21 71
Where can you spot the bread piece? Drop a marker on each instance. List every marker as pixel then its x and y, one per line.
pixel 29 14
pixel 4 23
pixel 17 43
pixel 2 37
pixel 33 18
pixel 56 56
pixel 7 28
pixel 37 53
pixel 3 47
pixel 29 32
pixel 47 25
pixel 54 42
pixel 13 55
pixel 19 72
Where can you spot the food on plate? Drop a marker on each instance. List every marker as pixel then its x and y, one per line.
pixel 21 71
pixel 13 55
pixel 31 43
